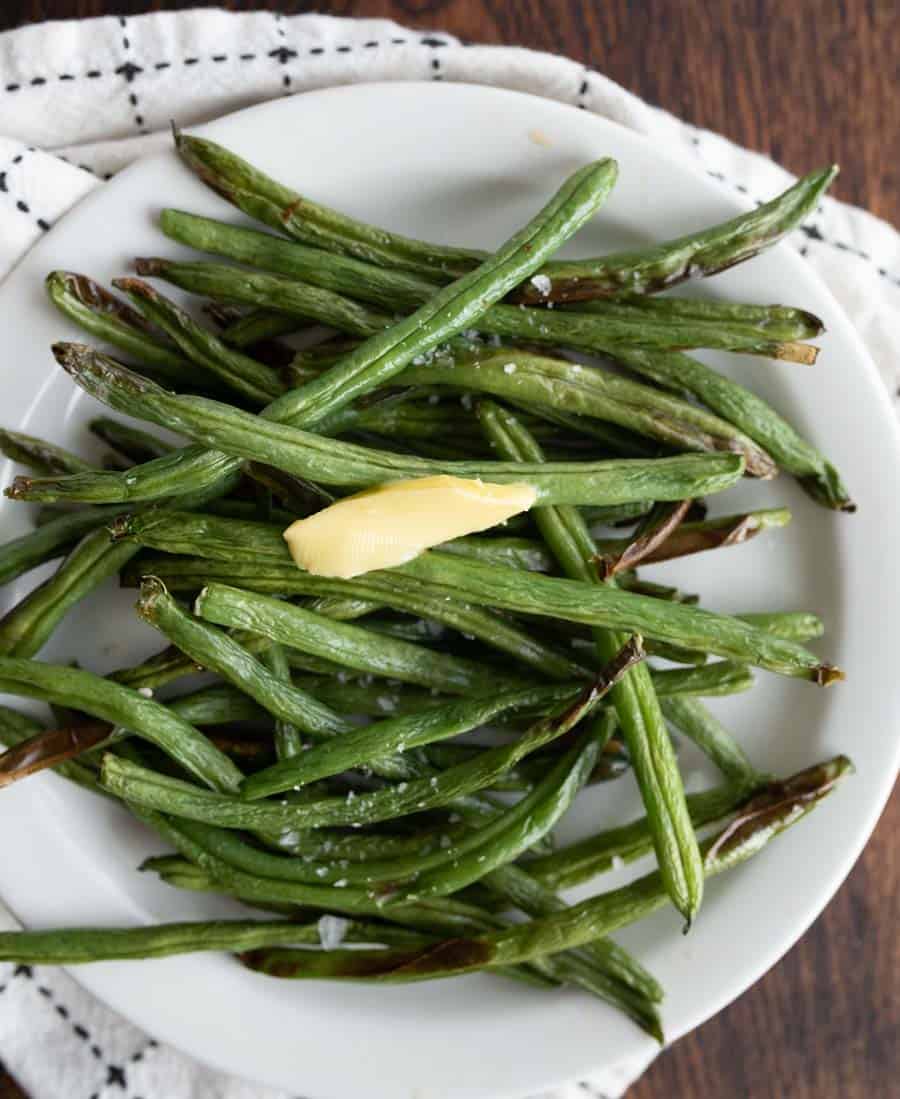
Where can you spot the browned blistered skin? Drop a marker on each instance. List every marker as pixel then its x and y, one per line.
pixel 49 748
pixel 645 545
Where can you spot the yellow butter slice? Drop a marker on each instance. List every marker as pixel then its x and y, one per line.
pixel 393 523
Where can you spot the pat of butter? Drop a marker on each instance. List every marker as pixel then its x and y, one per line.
pixel 393 523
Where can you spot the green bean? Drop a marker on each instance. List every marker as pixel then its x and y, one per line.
pixel 721 678
pixel 219 704
pixel 122 706
pixel 764 817
pixel 147 788
pixel 156 671
pixel 346 610
pixel 288 738
pixel 524 824
pixel 588 391
pixel 700 254
pixel 102 314
pixel 60 534
pixel 617 441
pixel 614 848
pixel 612 764
pixel 78 945
pixel 247 509
pixel 222 654
pixel 27 626
pixel 692 718
pixel 413 731
pixel 777 321
pixel 790 625
pixel 393 289
pixel 787 625
pixel 379 358
pixel 750 413
pixel 405 628
pixel 375 700
pixel 450 915
pixel 676 623
pixel 258 326
pixel 518 553
pixel 431 578
pixel 642 271
pixel 398 734
pixel 347 645
pixel 267 201
pixel 518 886
pixel 131 442
pixel 726 530
pixel 241 373
pixel 380 699
pixel 339 463
pixel 617 514
pixel 649 745
pixel 46 459
pixel 603 331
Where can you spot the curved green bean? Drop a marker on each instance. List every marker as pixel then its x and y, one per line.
pixel 641 271
pixel 79 945
pixel 121 706
pixel 46 459
pixel 344 643
pixel 218 652
pixel 108 318
pixel 644 730
pixel 27 626
pixel 131 442
pixel 750 413
pixel 588 391
pixel 53 538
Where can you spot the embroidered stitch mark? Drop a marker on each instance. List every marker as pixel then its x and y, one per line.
pixel 129 70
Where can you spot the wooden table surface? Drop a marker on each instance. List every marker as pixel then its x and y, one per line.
pixel 806 81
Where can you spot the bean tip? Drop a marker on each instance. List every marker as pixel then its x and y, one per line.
pixel 134 287
pixel 73 357
pixel 826 674
pixel 794 351
pixel 152 589
pixel 19 489
pixel 149 265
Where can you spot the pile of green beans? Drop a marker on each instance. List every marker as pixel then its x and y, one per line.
pixel 318 775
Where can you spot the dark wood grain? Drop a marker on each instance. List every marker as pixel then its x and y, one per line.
pixel 806 81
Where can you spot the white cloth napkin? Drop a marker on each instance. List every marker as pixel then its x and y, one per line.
pixel 80 100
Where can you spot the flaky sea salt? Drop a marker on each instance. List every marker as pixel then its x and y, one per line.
pixel 542 284
pixel 145 692
pixel 332 931
pixel 510 368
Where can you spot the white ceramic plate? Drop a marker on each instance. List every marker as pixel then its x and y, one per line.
pixel 458 164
